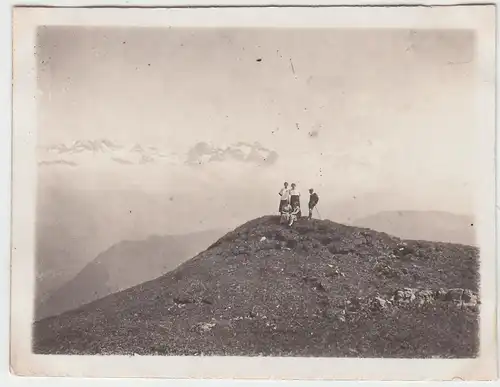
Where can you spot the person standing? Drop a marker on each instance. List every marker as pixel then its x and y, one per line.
pixel 295 198
pixel 284 196
pixel 313 200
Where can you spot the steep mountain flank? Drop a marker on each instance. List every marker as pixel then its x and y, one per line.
pixel 124 265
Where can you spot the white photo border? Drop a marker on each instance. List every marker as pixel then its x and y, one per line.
pixel 481 19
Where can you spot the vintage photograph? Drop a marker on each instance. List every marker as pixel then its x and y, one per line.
pixel 258 192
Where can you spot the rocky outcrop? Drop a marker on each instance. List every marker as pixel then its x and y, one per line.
pixel 458 297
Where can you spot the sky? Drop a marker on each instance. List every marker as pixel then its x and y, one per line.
pixel 374 120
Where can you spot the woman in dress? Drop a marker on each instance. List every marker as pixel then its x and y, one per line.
pixel 295 198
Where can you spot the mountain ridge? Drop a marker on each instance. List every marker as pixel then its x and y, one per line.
pixel 317 289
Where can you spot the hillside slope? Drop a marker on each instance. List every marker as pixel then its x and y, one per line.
pixel 123 265
pixel 423 225
pixel 317 289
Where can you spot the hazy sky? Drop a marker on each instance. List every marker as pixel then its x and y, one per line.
pixel 390 112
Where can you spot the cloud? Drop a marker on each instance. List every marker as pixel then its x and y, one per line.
pixel 122 161
pixel 57 162
pixel 203 153
pixel 79 146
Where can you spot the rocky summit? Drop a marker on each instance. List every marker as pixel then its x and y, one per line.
pixel 317 288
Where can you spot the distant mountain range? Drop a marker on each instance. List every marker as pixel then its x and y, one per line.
pixel 423 225
pixel 78 152
pixel 125 264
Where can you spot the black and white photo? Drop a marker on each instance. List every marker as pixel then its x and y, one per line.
pixel 254 187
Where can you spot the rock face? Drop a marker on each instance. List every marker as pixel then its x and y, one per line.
pixel 316 289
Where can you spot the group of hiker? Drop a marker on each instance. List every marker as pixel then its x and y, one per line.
pixel 289 207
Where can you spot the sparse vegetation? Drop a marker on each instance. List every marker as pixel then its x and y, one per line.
pixel 316 289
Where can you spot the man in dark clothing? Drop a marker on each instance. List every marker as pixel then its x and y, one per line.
pixel 313 200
